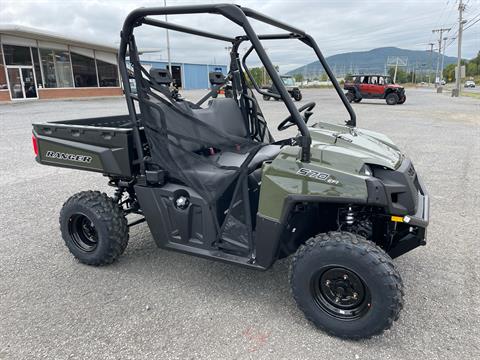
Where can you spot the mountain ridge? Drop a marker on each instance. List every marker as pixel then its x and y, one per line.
pixel 373 61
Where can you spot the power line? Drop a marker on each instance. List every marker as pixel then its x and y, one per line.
pixel 469 26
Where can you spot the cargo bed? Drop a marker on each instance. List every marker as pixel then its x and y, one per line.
pixel 103 144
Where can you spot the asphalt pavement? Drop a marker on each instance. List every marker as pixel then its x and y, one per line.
pixel 158 304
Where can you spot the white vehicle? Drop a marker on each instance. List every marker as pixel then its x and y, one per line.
pixel 469 84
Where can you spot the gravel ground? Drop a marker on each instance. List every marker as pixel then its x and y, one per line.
pixel 154 303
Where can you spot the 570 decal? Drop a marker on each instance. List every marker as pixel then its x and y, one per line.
pixel 317 175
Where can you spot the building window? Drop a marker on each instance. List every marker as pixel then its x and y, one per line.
pixel 84 73
pixel 48 65
pixel 36 65
pixel 3 77
pixel 107 74
pixel 63 69
pixel 17 55
pixel 57 69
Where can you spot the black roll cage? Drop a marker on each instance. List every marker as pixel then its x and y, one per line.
pixel 238 15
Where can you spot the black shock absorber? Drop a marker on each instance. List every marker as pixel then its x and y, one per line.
pixel 356 220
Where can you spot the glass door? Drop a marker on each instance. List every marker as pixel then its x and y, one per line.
pixel 22 82
pixel 15 82
pixel 29 86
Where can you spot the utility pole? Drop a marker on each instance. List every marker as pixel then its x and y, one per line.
pixel 461 9
pixel 441 31
pixel 443 57
pixel 431 62
pixel 414 77
pixel 395 74
pixel 168 43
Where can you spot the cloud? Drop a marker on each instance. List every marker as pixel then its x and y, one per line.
pixel 337 26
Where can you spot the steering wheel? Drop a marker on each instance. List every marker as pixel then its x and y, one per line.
pixel 308 107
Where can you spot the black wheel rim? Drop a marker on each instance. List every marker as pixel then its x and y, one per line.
pixel 83 232
pixel 341 293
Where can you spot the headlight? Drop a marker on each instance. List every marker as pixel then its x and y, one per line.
pixel 366 170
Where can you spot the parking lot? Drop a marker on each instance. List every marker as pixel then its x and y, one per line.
pixel 153 303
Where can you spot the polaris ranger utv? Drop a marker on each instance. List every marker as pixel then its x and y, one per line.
pixel 211 181
pixel 289 84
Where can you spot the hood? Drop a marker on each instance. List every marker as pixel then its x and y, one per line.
pixel 351 148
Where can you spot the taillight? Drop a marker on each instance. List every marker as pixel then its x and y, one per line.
pixel 35 145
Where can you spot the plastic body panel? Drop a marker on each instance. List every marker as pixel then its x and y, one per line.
pixel 193 225
pixel 192 230
pixel 98 144
pixel 281 179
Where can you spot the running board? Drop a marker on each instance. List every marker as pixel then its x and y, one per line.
pixel 215 255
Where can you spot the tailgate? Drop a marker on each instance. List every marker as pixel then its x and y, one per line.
pixel 99 149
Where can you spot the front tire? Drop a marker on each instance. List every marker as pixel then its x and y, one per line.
pixel 346 286
pixel 94 228
pixel 392 99
pixel 297 95
pixel 266 97
pixel 402 100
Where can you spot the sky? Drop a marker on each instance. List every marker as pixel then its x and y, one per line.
pixel 337 26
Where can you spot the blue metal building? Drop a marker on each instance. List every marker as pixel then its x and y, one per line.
pixel 188 76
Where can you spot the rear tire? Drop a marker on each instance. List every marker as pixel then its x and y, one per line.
pixel 402 100
pixel 297 96
pixel 357 100
pixel 392 99
pixel 266 97
pixel 94 228
pixel 346 286
pixel 350 97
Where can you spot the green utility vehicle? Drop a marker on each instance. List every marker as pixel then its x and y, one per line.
pixel 212 181
pixel 289 83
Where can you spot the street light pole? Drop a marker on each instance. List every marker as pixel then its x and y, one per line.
pixel 228 49
pixel 168 43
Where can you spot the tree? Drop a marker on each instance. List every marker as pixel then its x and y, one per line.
pixel 449 72
pixel 260 75
pixel 298 77
pixel 402 75
pixel 257 74
pixel 324 77
pixel 473 66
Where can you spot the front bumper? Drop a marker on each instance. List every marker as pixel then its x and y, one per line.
pixel 414 227
pixel 422 215
pixel 404 197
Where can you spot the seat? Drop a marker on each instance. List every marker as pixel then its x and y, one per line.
pixel 267 152
pixel 224 115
